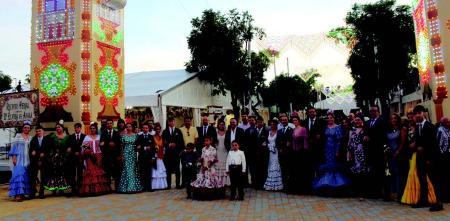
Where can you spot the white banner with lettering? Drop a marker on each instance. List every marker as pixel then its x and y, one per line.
pixel 16 108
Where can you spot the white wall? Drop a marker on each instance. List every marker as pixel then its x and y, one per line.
pixel 194 94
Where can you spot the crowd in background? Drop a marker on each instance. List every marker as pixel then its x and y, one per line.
pixel 397 159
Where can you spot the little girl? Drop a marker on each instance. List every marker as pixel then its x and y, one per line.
pixel 208 184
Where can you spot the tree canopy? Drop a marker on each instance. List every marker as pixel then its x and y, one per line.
pixel 219 46
pixel 285 90
pixel 5 82
pixel 383 37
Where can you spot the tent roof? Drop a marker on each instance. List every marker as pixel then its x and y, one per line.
pixel 338 102
pixel 143 88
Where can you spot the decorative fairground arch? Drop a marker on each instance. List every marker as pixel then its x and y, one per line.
pixel 77 59
pixel 432 26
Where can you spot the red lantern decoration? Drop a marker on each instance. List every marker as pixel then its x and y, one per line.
pixel 432 13
pixel 85 98
pixel 86 16
pixel 85 35
pixel 85 55
pixel 85 116
pixel 436 40
pixel 441 92
pixel 439 68
pixel 85 76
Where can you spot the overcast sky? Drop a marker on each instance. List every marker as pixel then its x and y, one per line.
pixel 156 30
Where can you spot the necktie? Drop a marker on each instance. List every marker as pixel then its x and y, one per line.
pixel 171 131
pixel 110 132
pixel 420 129
pixel 372 123
pixel 78 137
pixel 204 130
pixel 285 130
pixel 40 141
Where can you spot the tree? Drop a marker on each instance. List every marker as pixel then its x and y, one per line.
pixel 285 90
pixel 383 37
pixel 5 82
pixel 219 46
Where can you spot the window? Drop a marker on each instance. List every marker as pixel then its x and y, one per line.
pixel 55 5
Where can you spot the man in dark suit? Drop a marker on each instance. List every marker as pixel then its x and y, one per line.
pixel 376 138
pixel 173 146
pixel 38 154
pixel 284 146
pixel 234 133
pixel 251 144
pixel 206 130
pixel 315 128
pixel 112 153
pixel 146 156
pixel 262 153
pixel 74 167
pixel 426 161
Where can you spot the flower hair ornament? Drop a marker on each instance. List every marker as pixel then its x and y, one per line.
pixel 27 122
pixel 61 122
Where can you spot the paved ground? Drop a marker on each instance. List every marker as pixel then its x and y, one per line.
pixel 172 205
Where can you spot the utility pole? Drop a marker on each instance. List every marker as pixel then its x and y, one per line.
pixel 287 64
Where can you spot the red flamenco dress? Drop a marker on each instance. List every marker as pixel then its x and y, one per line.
pixel 94 181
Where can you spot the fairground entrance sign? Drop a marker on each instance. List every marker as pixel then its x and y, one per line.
pixel 18 107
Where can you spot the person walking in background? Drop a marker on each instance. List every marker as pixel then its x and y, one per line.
pixel 159 173
pixel 94 181
pixel 396 159
pixel 57 156
pixel 236 165
pixel 129 181
pixel 331 179
pixel 357 158
pixel 173 146
pixel 274 181
pixel 38 162
pixel 74 168
pixel 222 153
pixel 189 164
pixel 19 184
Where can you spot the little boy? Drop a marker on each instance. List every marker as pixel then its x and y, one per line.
pixel 235 168
pixel 188 163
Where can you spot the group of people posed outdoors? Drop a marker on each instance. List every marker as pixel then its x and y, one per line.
pixel 401 159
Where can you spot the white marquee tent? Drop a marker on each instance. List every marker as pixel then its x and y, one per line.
pixel 160 89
